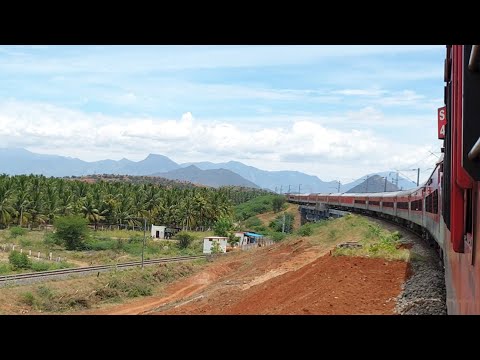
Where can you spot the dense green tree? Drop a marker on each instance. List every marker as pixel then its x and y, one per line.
pixel 34 200
pixel 72 231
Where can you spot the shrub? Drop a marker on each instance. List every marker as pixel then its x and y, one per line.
pixel 305 230
pixel 223 226
pixel 44 292
pixel 40 266
pixel 51 239
pixel 232 239
pixel 28 298
pixel 215 248
pixel 72 230
pixel 278 236
pixel 260 229
pixel 252 221
pixel 5 268
pixel 277 203
pixel 17 231
pixel 184 239
pixel 277 224
pixel 19 260
pixel 99 244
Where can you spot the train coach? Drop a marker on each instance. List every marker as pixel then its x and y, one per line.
pixel 445 209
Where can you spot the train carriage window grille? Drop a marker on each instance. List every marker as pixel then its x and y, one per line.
pixel 416 205
pixel 372 202
pixel 428 203
pixel 359 201
pixel 435 202
pixel 402 205
pixel 387 204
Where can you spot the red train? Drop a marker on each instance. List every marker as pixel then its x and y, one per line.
pixel 445 209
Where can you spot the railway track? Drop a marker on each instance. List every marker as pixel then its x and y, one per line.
pixel 16 278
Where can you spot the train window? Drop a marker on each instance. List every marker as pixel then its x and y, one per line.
pixel 435 202
pixel 428 203
pixel 416 205
pixel 359 201
pixel 402 205
pixel 371 202
pixel 387 204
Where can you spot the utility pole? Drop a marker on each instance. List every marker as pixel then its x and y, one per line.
pixel 144 237
pixel 418 175
pixel 339 186
pixel 276 189
pixel 367 185
pixel 299 188
pixel 289 188
pixel 283 225
pixel 281 186
pixel 396 182
pixel 385 190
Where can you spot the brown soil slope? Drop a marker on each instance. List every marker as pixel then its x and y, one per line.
pixel 292 277
pixel 329 285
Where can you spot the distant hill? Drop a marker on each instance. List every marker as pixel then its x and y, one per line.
pixel 373 184
pixel 21 161
pixel 272 179
pixel 213 177
pixel 403 184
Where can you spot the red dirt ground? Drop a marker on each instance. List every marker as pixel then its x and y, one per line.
pixel 286 278
pixel 329 285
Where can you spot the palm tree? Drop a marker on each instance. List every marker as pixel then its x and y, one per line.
pixel 6 209
pixel 91 212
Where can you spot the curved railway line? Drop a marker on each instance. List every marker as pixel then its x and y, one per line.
pixel 43 275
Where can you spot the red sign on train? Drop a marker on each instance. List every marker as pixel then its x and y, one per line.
pixel 442 122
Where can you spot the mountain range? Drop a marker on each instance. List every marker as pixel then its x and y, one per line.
pixel 374 183
pixel 211 177
pixel 20 161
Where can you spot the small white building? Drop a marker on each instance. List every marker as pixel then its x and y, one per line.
pixel 245 238
pixel 158 232
pixel 209 241
pixel 242 239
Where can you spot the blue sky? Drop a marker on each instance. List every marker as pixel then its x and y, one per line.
pixel 337 112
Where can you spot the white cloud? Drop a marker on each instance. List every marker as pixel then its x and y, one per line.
pixel 300 144
pixel 360 92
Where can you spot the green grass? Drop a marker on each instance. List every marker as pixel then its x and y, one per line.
pixel 111 287
pixel 107 246
pixel 258 205
pixel 376 242
pixel 5 269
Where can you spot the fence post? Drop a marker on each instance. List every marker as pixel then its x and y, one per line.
pixel 50 256
pixel 30 252
pixel 38 255
pixel 13 248
pixel 21 251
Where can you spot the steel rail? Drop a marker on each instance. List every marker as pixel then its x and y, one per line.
pixel 40 274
